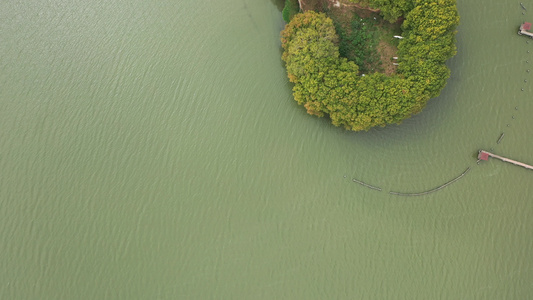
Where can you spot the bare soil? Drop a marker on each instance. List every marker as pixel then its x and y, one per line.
pixel 341 5
pixel 387 52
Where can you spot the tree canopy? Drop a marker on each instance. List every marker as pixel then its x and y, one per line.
pixel 391 9
pixel 328 84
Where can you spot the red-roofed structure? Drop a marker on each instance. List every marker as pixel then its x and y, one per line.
pixel 483 155
pixel 524 29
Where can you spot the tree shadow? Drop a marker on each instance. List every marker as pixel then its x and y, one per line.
pixel 279 4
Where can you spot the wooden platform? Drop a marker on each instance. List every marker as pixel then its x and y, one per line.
pixel 524 29
pixel 484 155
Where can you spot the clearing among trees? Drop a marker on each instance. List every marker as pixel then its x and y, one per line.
pixel 346 64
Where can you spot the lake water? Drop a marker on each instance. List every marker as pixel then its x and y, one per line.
pixel 152 150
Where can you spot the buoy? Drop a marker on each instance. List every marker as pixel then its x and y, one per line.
pixel 527 70
pixel 525 80
pixel 522 90
pixel 516 107
pixel 344 176
pixel 513 118
pixel 508 125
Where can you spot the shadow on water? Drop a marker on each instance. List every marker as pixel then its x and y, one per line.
pixel 279 4
pixel 248 12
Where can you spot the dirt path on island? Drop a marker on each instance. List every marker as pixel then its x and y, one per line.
pixel 386 53
pixel 338 3
pixel 320 5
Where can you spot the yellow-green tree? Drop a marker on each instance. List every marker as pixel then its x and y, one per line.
pixel 327 84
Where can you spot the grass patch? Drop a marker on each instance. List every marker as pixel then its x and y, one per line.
pixel 364 36
pixel 366 39
pixel 358 42
pixel 388 31
pixel 291 8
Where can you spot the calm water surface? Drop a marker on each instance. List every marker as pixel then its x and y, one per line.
pixel 152 150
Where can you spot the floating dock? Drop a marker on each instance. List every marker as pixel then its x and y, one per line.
pixel 484 155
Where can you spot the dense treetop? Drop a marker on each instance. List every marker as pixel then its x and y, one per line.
pixel 327 84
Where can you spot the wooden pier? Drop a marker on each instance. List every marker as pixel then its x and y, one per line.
pixel 484 155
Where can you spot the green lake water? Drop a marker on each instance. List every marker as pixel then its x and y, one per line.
pixel 152 150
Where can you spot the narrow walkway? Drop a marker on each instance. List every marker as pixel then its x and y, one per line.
pixel 484 155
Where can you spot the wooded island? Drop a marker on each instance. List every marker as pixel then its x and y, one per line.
pixel 346 63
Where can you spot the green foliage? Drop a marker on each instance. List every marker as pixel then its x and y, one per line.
pixel 328 84
pixel 291 8
pixel 429 40
pixel 359 42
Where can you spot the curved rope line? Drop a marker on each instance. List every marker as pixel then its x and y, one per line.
pixel 367 185
pixel 432 190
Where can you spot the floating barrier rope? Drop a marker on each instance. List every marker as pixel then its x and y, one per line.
pixel 501 137
pixel 433 190
pixel 367 185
